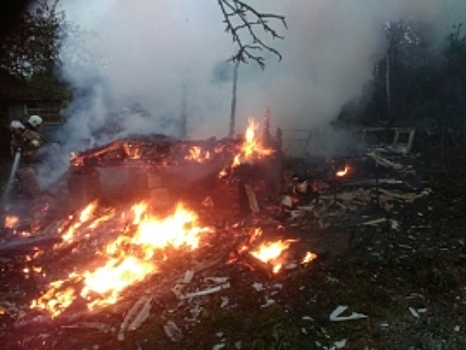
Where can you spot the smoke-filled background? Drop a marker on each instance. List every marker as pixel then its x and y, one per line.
pixel 142 64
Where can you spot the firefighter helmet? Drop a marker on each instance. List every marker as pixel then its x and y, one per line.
pixel 16 124
pixel 35 121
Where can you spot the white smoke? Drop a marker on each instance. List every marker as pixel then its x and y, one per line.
pixel 148 54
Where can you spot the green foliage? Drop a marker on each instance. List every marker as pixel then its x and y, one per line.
pixel 33 46
pixel 32 49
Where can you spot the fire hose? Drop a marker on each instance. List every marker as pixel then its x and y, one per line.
pixel 11 178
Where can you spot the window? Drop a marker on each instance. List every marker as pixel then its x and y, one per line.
pixel 48 110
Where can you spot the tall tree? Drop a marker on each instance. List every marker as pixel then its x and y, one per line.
pixel 428 85
pixel 31 50
pixel 402 38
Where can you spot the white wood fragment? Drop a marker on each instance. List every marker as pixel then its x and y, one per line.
pixel 413 312
pixel 133 315
pixel 188 276
pixel 208 291
pixel 141 316
pixel 172 331
pixel 336 314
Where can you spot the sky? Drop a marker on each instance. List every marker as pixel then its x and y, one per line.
pixel 152 60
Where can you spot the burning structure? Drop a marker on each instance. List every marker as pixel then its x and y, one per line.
pixel 147 219
pixel 143 210
pixel 165 170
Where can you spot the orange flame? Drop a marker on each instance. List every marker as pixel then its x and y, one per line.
pixel 252 147
pixel 11 221
pixel 223 173
pixel 133 151
pixel 84 216
pixel 270 252
pixel 197 154
pixel 110 280
pixel 343 172
pixel 57 298
pixel 310 256
pixel 130 259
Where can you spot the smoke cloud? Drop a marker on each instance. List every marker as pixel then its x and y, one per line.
pixel 149 60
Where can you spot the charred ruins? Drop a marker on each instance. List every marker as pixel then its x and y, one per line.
pixel 156 223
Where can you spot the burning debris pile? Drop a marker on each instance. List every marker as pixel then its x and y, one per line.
pixel 122 258
pixel 157 223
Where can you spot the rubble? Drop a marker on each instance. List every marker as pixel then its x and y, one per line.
pixel 319 216
pixel 136 316
pixel 336 315
pixel 172 331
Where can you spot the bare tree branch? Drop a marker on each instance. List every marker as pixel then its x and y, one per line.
pixel 236 15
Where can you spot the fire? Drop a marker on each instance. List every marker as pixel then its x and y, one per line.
pixel 252 147
pixel 138 212
pixel 57 298
pixel 197 154
pixel 223 173
pixel 128 259
pixel 132 151
pixel 257 232
pixel 179 230
pixel 110 280
pixel 270 252
pixel 76 160
pixel 310 256
pixel 84 216
pixel 87 212
pixel 343 172
pixel 11 221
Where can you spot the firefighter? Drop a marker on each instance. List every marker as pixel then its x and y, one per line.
pixel 27 140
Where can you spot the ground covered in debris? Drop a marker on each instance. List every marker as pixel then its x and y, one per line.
pixel 385 277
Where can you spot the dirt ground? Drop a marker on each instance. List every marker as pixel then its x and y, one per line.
pixel 400 284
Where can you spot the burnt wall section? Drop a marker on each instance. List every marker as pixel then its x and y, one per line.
pixel 84 186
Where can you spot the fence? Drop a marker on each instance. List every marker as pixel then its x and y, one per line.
pixel 295 142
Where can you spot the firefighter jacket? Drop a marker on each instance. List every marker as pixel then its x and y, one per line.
pixel 29 141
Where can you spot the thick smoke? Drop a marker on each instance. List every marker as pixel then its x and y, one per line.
pixel 142 59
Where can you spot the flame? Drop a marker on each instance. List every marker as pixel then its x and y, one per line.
pixel 310 256
pixel 138 212
pixel 236 160
pixel 223 173
pixel 110 280
pixel 277 268
pixel 76 160
pixel 179 230
pixel 130 258
pixel 57 298
pixel 257 232
pixel 343 172
pixel 83 216
pixel 270 252
pixel 251 147
pixel 197 154
pixel 11 221
pixel 133 151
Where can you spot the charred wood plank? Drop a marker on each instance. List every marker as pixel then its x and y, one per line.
pixel 256 264
pixel 30 244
